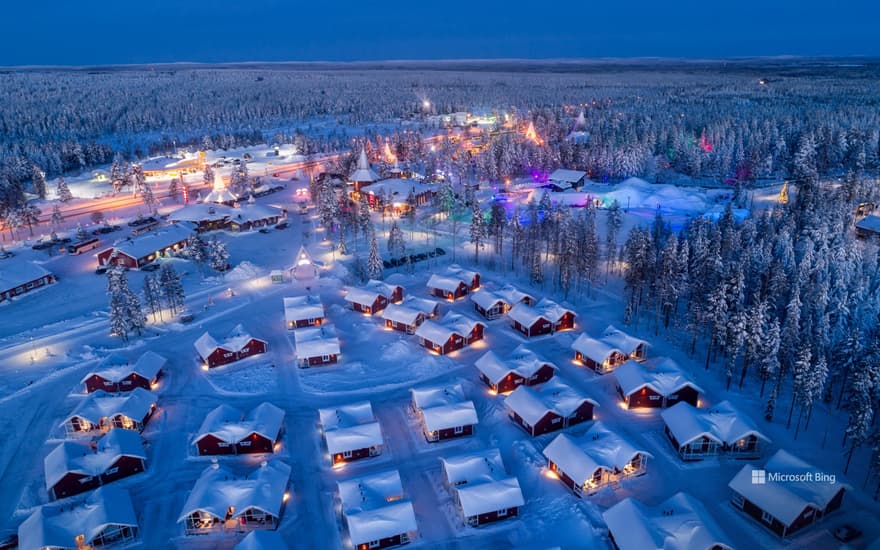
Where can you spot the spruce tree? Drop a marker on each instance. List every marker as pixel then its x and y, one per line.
pixel 63 191
pixel 375 269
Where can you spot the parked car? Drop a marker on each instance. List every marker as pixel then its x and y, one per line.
pixel 264 230
pixel 846 533
pixel 185 316
pixel 150 267
pixel 282 225
pixel 42 245
pixel 102 269
pixel 142 221
pixel 5 254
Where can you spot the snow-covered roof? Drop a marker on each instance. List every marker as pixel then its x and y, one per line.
pixel 219 194
pixel 398 189
pixel 15 273
pixel 147 366
pixel 300 308
pixel 237 338
pixel 435 396
pixel 507 294
pixel 722 422
pixel 483 498
pixel 597 350
pixel 425 305
pixel 201 212
pixel 521 361
pixel 262 540
pixel 869 223
pixel 98 405
pixel 622 340
pixel 478 467
pixel 785 500
pixel 464 275
pixel 228 424
pixel 665 377
pixel 254 212
pixel 443 417
pixel 169 163
pixel 363 172
pixel 487 298
pixel 482 482
pixel 375 508
pixel 565 175
pixel 350 427
pixel 599 447
pixel 401 314
pixel 368 293
pixel 678 523
pixel 149 243
pixel 54 526
pixel 218 489
pixel 79 457
pixel 533 402
pixel 528 315
pixel 448 284
pixel 316 341
pixel 440 331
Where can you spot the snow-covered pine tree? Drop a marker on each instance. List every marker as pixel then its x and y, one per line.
pixel 148 198
pixel 396 243
pixel 57 216
pixel 38 181
pixel 138 180
pixel 174 189
pixel 375 269
pixel 478 229
pixel 196 249
pixel 152 296
pixel 172 289
pixel 63 191
pixel 218 255
pixel 81 234
pixel 116 290
pixel 208 175
pixel 343 247
pixel 613 223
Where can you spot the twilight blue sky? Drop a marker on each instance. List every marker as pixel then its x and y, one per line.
pixel 75 32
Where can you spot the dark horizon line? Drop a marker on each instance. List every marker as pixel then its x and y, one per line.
pixel 379 63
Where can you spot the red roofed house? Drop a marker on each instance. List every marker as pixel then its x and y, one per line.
pixel 657 386
pixel 225 432
pixel 303 311
pixel 75 467
pixel 374 296
pixel 118 376
pixel 551 406
pixel 19 277
pixel 520 367
pixel 450 333
pixel 402 318
pixel 545 317
pixel 136 253
pixel 237 345
pixel 444 412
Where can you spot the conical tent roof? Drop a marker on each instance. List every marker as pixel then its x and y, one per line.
pixel 363 173
pixel 303 267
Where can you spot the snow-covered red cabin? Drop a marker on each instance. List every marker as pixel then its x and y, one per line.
pixel 376 511
pixel 222 502
pixel 495 303
pixel 545 317
pixel 720 429
pixel 789 505
pixel 632 347
pixel 237 345
pixel 363 174
pixel 18 277
pixel 482 488
pixel 431 308
pixel 680 521
pixel 520 367
pixel 563 179
pixel 599 458
pixel 351 432
pixel 655 386
pixel 444 412
pixel 226 431
pixel 303 311
pixel 252 216
pixel 450 288
pixel 394 192
pixel 117 375
pixel 452 332
pixel 144 249
pixel 316 346
pixel 599 355
pixel 551 406
pixel 106 518
pixel 75 467
pixel 374 296
pixel 101 411
pixel 402 318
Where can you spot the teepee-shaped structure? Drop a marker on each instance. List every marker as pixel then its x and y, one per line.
pixel 304 269
pixel 532 135
pixel 363 174
pixel 220 194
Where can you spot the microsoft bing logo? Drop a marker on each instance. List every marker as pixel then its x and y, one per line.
pixel 759 477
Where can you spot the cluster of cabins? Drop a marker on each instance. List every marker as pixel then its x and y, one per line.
pixel 103 445
pixel 235 346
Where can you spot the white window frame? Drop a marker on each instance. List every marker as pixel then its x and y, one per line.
pixel 458 430
pixel 766 517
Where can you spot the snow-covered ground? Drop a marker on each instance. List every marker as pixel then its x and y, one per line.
pixel 51 338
